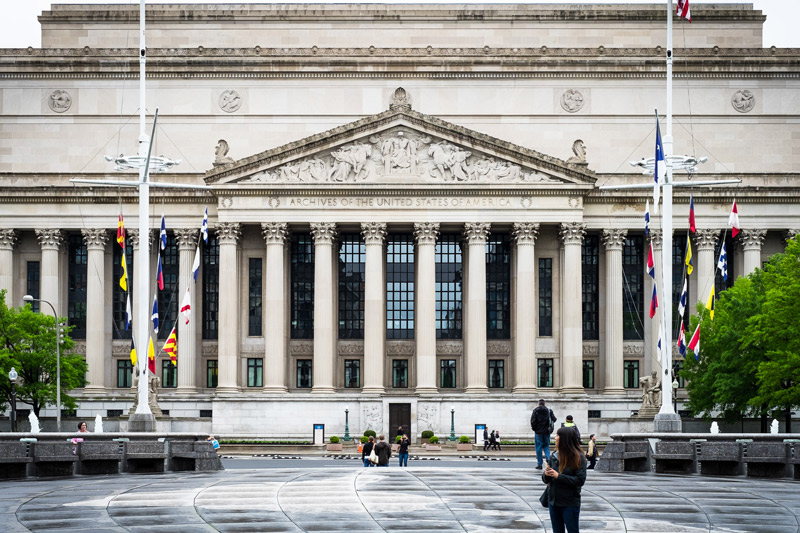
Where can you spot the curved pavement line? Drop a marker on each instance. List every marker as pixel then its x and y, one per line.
pixel 278 499
pixel 789 510
pixel 355 490
pixel 710 526
pixel 436 493
pixel 194 503
pixel 624 524
pixel 544 528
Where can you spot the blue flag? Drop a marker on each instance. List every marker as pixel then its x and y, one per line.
pixel 163 235
pixel 155 314
pixel 659 168
pixel 722 264
pixel 204 227
pixel 647 218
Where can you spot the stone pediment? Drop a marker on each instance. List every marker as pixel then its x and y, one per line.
pixel 397 147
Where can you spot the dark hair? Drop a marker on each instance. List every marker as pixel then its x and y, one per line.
pixel 80 424
pixel 569 449
pixel 569 417
pixel 592 435
pixel 541 402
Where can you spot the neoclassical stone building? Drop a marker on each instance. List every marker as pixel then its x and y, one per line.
pixel 404 202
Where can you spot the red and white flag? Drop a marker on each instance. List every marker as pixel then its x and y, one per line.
pixel 186 305
pixel 733 220
pixel 683 10
pixel 694 342
pixel 651 266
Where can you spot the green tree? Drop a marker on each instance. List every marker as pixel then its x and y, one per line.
pixel 28 343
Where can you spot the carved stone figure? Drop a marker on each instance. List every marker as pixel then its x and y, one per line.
pixel 579 149
pixel 59 101
pixel 372 418
pixel 400 99
pixel 221 153
pixel 651 391
pixel 572 100
pixel 743 101
pixel 426 418
pixel 152 397
pixel 351 159
pixel 230 101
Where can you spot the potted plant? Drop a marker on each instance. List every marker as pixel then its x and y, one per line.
pixel 335 445
pixel 433 444
pixel 464 445
pixel 427 434
pixel 370 433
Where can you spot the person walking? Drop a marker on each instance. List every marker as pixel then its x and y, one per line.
pixel 496 441
pixel 383 451
pixel 542 420
pixel 591 455
pixel 570 423
pixel 366 450
pixel 564 476
pixel 402 450
pixel 485 438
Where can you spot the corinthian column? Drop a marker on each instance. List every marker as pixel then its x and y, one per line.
pixel 524 317
pixel 50 241
pixel 475 341
pixel 275 234
pixel 374 308
pixel 751 242
pixel 705 239
pixel 426 234
pixel 613 239
pixel 95 240
pixel 187 333
pixel 571 295
pixel 228 234
pixel 324 340
pixel 7 239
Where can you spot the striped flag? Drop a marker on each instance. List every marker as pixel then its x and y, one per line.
pixel 654 302
pixel 647 217
pixel 128 312
pixel 123 281
pixel 186 305
pixel 733 220
pixel 163 235
pixel 659 169
pixel 196 264
pixel 171 347
pixel 684 296
pixel 683 10
pixel 155 314
pixel 694 343
pixel 160 274
pixel 121 232
pixel 689 266
pixel 722 263
pixel 692 225
pixel 682 339
pixel 151 357
pixel 651 267
pixel 204 227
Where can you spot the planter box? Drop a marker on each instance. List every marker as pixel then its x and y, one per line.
pixel 335 447
pixel 423 441
pixel 464 447
pixel 433 447
pixel 395 447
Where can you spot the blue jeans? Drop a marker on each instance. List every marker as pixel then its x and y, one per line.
pixel 542 445
pixel 564 516
pixel 367 462
pixel 403 458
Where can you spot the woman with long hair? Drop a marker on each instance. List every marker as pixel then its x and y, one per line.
pixel 564 476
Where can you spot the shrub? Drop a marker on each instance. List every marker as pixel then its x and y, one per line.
pixel 397 439
pixel 334 440
pixel 434 440
pixel 427 434
pixel 370 433
pixel 364 439
pixel 463 439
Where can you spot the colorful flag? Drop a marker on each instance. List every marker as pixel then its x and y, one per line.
pixel 710 303
pixel 171 347
pixel 121 232
pixel 196 264
pixel 682 339
pixel 654 302
pixel 151 357
pixel 204 227
pixel 661 335
pixel 683 10
pixel 694 343
pixel 128 312
pixel 722 263
pixel 647 217
pixel 692 226
pixel 659 169
pixel 651 267
pixel 684 297
pixel 186 305
pixel 133 352
pixel 689 265
pixel 163 235
pixel 123 281
pixel 733 220
pixel 155 314
pixel 160 274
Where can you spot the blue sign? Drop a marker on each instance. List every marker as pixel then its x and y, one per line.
pixel 319 426
pixel 480 426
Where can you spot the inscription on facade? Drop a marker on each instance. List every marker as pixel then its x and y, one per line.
pixel 395 202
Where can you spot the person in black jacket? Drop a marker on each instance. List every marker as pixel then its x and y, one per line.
pixel 564 476
pixel 542 420
pixel 366 450
pixel 402 450
pixel 383 451
pixel 485 438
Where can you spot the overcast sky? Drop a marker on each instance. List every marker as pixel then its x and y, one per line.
pixel 19 27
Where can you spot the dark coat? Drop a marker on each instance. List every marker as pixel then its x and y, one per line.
pixel 367 449
pixel 540 420
pixel 565 490
pixel 403 446
pixel 384 452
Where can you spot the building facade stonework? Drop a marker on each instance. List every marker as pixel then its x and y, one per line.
pixel 389 237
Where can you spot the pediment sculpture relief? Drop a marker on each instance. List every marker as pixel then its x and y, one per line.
pixel 399 154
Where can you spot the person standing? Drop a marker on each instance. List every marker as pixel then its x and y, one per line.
pixel 383 451
pixel 542 420
pixel 591 455
pixel 402 450
pixel 496 441
pixel 564 476
pixel 485 438
pixel 366 450
pixel 570 423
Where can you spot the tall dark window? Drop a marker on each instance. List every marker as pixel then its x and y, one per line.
pixel 255 372
pixel 33 283
pixel 352 373
pixel 677 366
pixel 588 374
pixel 498 286
pixel 719 283
pixel 678 271
pixel 124 373
pixel 302 273
pixel 255 296
pixel 447 373
pixel 545 373
pixel 76 297
pixel 496 373
pixel 168 298
pixel 119 296
pixel 352 267
pixel 304 374
pixel 211 373
pixel 449 274
pixel 400 373
pixel 630 377
pixel 169 374
pixel 545 297
pixel 210 287
pixel 590 282
pixel 400 287
pixel 633 288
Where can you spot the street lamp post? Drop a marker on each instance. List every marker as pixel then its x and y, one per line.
pixel 452 436
pixel 346 425
pixel 12 376
pixel 28 298
pixel 675 386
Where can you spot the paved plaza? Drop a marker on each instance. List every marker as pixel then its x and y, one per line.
pixel 447 495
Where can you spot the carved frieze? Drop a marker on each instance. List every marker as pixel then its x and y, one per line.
pixel 613 239
pixel 230 101
pixel 121 348
pixel 449 348
pixel 526 232
pixel 633 348
pixel 498 348
pixel 59 101
pixel 323 232
pixel 373 232
pixel 228 232
pixel 50 238
pixel 743 101
pixel 591 349
pixel 372 415
pixel 572 232
pixel 8 237
pixel 428 417
pixel 571 100
pixel 426 232
pixel 351 348
pixel 210 349
pixel 79 348
pixel 301 348
pixel 95 238
pixel 275 232
pixel 400 348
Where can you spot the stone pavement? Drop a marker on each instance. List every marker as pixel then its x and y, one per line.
pixel 420 498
